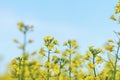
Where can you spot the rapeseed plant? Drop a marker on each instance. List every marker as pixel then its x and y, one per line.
pixel 67 64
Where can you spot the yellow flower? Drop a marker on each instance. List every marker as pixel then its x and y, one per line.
pixel 51 46
pixel 42 51
pixel 99 50
pixel 65 43
pixel 117 10
pixel 54 58
pixel 47 64
pixel 113 17
pixel 91 65
pixel 55 42
pixel 109 47
pixel 15 41
pixel 47 38
pixel 91 48
pixel 61 77
pixel 71 66
pixel 69 41
pixel 21 24
pixel 57 51
pixel 110 40
pixel 91 77
pixel 109 65
pixel 64 53
pixel 77 63
pixel 87 55
pixel 30 41
pixel 99 60
pixel 33 53
pixel 46 44
pixel 64 69
pixel 56 69
pixel 73 42
pixel 79 78
pixel 21 46
pixel 70 51
pixel 20 28
pixel 18 71
pixel 14 62
pixel 27 73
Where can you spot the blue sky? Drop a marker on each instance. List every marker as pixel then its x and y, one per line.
pixel 87 21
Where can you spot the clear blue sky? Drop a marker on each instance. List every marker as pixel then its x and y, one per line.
pixel 87 21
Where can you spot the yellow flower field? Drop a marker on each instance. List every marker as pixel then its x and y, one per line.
pixel 55 61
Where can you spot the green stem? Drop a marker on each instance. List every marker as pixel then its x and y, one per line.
pixel 94 67
pixel 48 65
pixel 31 73
pixel 23 57
pixel 70 65
pixel 59 69
pixel 24 49
pixel 115 65
pixel 19 69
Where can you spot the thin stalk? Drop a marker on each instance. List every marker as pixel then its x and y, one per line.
pixel 94 67
pixel 31 73
pixel 115 65
pixel 24 49
pixel 19 69
pixel 70 65
pixel 48 65
pixel 23 57
pixel 59 69
pixel 110 61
